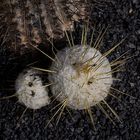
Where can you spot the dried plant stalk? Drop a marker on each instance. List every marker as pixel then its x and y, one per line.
pixel 34 21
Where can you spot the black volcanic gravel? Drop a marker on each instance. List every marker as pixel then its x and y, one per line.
pixel 123 20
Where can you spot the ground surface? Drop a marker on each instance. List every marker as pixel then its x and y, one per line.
pixel 123 18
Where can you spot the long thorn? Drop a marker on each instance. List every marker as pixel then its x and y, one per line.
pixel 69 113
pixel 45 70
pixel 91 40
pixel 43 53
pixel 110 50
pixel 47 85
pixel 105 112
pixel 22 115
pixel 115 114
pixel 64 105
pixel 55 114
pixel 56 97
pixel 7 97
pixel 122 92
pixel 56 106
pixel 68 39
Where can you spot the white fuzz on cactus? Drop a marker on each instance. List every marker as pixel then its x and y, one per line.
pixel 30 89
pixel 83 77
